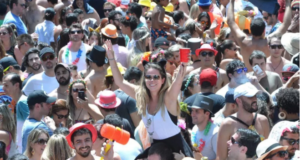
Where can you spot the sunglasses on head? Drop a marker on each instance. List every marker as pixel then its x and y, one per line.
pixel 78 90
pixel 78 32
pixel 291 141
pixel 204 22
pixel 48 57
pixel 41 141
pixel 107 10
pixel 281 154
pixel 3 33
pixel 240 70
pixel 276 46
pixel 204 54
pixel 295 8
pixel 233 141
pixel 62 116
pixel 154 77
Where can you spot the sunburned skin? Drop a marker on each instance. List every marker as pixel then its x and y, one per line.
pixel 33 16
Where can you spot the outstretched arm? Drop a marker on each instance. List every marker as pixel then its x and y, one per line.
pixel 118 78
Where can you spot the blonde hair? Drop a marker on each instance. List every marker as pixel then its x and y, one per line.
pixel 8 122
pixel 195 11
pixel 143 95
pixel 57 145
pixel 32 138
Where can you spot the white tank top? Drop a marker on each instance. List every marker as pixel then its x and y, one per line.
pixel 81 65
pixel 159 127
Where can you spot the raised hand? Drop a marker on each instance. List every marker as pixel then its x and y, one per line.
pixel 109 49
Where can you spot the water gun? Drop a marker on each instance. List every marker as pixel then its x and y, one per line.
pixel 113 134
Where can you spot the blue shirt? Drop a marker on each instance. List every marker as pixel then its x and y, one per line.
pixel 12 18
pixel 275 27
pixel 22 114
pixel 45 31
pixel 29 125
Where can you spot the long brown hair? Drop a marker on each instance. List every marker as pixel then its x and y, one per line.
pixel 2 51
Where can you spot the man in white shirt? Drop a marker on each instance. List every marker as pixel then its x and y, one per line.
pixel 46 80
pixel 205 133
pixel 45 30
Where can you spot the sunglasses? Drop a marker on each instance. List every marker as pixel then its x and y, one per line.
pixel 3 33
pixel 48 57
pixel 295 8
pixel 233 141
pixel 265 18
pixel 240 70
pixel 23 5
pixel 281 154
pixel 234 49
pixel 107 10
pixel 78 90
pixel 148 18
pixel 204 54
pixel 42 141
pixel 62 116
pixel 78 32
pixel 154 77
pixel 291 141
pixel 276 46
pixel 204 22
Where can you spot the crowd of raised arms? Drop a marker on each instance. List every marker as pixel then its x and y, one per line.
pixel 149 79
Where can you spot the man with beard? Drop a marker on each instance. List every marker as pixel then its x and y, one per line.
pixel 63 76
pixel 75 51
pixel 46 80
pixel 81 139
pixel 245 97
pixel 32 62
pixel 114 18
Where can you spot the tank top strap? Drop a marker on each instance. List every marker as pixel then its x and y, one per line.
pixel 253 122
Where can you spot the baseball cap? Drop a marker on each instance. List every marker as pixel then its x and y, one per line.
pixel 161 41
pixel 39 96
pixel 46 50
pixel 124 4
pixel 208 75
pixel 62 65
pixel 246 89
pixel 49 12
pixel 229 97
pixel 8 61
pixel 290 68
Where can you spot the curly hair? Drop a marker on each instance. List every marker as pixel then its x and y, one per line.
pixel 288 100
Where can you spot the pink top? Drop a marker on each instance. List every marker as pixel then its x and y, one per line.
pixel 121 55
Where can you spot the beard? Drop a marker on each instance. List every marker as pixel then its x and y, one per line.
pixel 36 66
pixel 249 107
pixel 84 154
pixel 241 79
pixel 63 81
pixel 49 65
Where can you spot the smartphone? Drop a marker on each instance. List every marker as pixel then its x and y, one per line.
pixel 81 95
pixel 258 70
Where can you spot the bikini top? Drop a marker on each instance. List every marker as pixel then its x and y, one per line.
pixel 251 127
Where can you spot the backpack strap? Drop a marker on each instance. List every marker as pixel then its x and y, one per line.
pixel 237 119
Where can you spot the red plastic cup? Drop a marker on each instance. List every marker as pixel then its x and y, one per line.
pixel 184 54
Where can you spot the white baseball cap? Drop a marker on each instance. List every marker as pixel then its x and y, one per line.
pixel 265 147
pixel 246 89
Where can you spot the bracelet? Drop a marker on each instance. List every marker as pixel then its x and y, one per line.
pixel 111 59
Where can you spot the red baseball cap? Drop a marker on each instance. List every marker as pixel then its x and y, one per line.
pixel 208 75
pixel 79 126
pixel 116 2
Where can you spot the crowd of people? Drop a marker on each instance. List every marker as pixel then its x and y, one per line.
pixel 149 80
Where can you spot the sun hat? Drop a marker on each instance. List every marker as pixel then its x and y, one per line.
pixel 153 5
pixel 279 128
pixel 109 72
pixel 246 89
pixel 146 3
pixel 110 31
pixel 169 8
pixel 107 99
pixel 80 125
pixel 265 147
pixel 295 2
pixel 204 2
pixel 290 42
pixel 206 47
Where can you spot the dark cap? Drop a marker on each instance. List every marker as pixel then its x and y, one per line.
pixel 203 102
pixel 49 12
pixel 62 65
pixel 39 96
pixel 229 97
pixel 161 41
pixel 8 61
pixel 46 50
pixel 97 55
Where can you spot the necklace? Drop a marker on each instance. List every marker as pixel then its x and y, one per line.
pixel 274 69
pixel 77 56
pixel 79 114
pixel 201 143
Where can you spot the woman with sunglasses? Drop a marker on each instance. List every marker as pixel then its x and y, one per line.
pixel 227 51
pixel 57 148
pixel 80 108
pixel 206 26
pixel 8 130
pixel 148 16
pixel 8 39
pixel 60 113
pixel 156 101
pixel 190 86
pixel 36 144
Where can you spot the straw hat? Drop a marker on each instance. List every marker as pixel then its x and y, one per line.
pixel 290 42
pixel 265 147
pixel 110 31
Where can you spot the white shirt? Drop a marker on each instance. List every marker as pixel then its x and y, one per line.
pixel 208 142
pixel 239 5
pixel 45 30
pixel 81 65
pixel 128 151
pixel 219 117
pixel 40 82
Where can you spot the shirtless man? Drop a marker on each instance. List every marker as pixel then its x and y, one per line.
pixel 258 42
pixel 33 15
pixel 245 97
pixel 95 80
pixel 59 7
pixel 275 62
pixel 47 3
pixel 87 14
pixel 207 56
pixel 63 76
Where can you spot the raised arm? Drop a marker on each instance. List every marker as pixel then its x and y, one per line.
pixel 286 21
pixel 238 34
pixel 118 78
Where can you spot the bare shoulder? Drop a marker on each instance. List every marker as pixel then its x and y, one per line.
pixel 63 49
pixel 285 61
pixel 53 93
pixel 41 8
pixel 222 71
pixel 195 71
pixel 262 118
